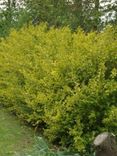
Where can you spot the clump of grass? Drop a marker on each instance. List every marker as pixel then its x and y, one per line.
pixel 41 148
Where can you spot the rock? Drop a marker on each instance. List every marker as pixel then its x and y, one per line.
pixel 105 144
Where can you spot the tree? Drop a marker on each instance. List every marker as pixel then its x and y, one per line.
pixel 84 13
pixel 54 12
pixel 109 11
pixel 12 15
pixel 87 14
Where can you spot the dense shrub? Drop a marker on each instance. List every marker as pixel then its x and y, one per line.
pixel 63 82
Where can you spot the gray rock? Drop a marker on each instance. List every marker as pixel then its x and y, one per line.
pixel 105 144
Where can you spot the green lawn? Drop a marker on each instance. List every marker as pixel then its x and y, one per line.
pixel 15 138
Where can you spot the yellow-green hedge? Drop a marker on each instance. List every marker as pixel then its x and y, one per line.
pixel 63 82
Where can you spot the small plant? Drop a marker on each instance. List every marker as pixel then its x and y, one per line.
pixel 41 149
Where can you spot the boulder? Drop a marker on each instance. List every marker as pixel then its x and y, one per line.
pixel 105 144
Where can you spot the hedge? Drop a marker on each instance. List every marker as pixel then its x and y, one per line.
pixel 62 82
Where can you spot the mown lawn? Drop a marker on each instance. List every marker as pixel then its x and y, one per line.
pixel 15 138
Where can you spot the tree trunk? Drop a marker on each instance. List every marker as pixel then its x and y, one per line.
pixel 97 16
pixel 97 4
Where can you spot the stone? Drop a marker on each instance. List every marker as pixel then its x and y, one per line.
pixel 105 144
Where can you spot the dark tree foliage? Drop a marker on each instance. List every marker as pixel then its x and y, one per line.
pixel 12 15
pixel 87 14
pixel 84 13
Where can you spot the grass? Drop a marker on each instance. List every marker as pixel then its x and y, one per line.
pixel 15 138
pixel 18 140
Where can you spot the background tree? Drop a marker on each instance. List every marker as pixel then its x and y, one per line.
pixel 88 14
pixel 12 15
pixel 84 13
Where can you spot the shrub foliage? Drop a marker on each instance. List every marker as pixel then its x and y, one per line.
pixel 63 82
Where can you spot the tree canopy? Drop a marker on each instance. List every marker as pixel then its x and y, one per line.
pixel 87 14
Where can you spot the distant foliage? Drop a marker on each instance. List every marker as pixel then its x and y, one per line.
pixel 62 82
pixel 88 14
